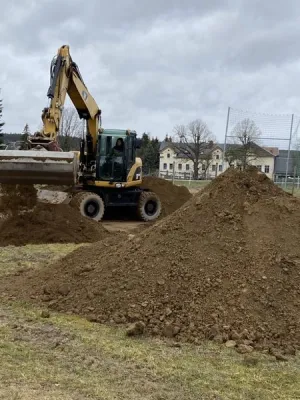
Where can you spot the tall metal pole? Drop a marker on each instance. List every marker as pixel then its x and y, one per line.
pixel 173 177
pixel 289 150
pixel 225 140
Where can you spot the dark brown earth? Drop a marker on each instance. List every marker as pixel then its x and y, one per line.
pixel 171 196
pixel 17 198
pixel 48 223
pixel 225 266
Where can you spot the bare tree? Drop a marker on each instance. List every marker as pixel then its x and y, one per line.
pixel 193 141
pixel 244 150
pixel 206 160
pixel 70 128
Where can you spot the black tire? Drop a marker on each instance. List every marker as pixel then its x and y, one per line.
pixel 90 205
pixel 149 206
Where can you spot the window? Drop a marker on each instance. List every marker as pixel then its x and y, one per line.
pixel 213 168
pixel 171 166
pixel 220 168
pixel 267 169
pixel 258 167
pixel 187 167
pixel 217 157
pixel 165 166
pixel 180 167
pixel 168 155
pixel 203 167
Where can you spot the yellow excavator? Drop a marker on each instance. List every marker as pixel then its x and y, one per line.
pixel 104 173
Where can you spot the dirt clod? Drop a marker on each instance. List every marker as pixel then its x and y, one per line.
pixel 136 329
pixel 45 314
pixel 230 343
pixel 244 348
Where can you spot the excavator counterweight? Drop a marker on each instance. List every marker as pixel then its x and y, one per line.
pixel 38 167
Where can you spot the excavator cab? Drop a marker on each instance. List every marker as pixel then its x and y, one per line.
pixel 116 155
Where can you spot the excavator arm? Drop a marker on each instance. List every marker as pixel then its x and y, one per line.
pixel 44 162
pixel 65 79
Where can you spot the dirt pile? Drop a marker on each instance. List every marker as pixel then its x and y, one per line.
pixel 17 198
pixel 48 223
pixel 225 266
pixel 171 196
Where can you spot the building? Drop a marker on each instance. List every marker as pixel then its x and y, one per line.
pixel 174 160
pixel 285 163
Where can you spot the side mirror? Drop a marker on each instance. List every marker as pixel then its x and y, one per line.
pixel 138 143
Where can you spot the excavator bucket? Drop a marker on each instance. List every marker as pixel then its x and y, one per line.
pixel 38 167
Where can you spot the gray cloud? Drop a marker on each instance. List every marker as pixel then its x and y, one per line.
pixel 151 65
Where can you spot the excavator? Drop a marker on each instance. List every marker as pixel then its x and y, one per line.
pixel 104 173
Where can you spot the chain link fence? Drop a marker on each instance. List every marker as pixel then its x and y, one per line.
pixel 276 137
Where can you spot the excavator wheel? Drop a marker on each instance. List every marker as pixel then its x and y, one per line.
pixel 89 204
pixel 149 206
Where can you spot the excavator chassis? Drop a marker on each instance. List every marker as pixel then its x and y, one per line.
pixel 38 167
pixel 93 201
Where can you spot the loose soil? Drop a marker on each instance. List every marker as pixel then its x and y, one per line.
pixel 48 223
pixel 17 198
pixel 171 196
pixel 225 266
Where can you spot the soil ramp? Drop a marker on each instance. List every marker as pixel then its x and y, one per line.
pixel 171 196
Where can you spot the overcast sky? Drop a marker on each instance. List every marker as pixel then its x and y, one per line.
pixel 151 64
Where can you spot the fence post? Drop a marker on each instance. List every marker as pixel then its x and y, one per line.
pixel 294 177
pixel 289 150
pixel 173 177
pixel 225 140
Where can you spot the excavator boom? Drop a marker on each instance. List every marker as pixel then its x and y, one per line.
pixel 44 162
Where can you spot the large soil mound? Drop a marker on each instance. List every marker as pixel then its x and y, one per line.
pixel 171 196
pixel 225 266
pixel 48 223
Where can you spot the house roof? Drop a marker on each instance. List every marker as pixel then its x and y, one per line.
pixel 182 148
pixel 259 150
pixel 272 150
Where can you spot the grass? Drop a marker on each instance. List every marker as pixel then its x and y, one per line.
pixel 191 184
pixel 67 357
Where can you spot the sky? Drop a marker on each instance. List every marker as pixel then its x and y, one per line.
pixel 152 65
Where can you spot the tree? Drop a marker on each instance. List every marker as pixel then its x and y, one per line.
pixel 1 122
pixel 193 141
pixel 149 153
pixel 243 151
pixel 24 137
pixel 70 128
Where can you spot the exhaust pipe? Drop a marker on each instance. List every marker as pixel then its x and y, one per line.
pixel 38 167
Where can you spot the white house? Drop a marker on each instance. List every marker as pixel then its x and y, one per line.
pixel 174 160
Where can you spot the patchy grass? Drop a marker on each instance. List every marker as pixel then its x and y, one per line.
pixel 67 357
pixel 13 258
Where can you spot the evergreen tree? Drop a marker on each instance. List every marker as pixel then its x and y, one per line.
pixel 24 137
pixel 149 153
